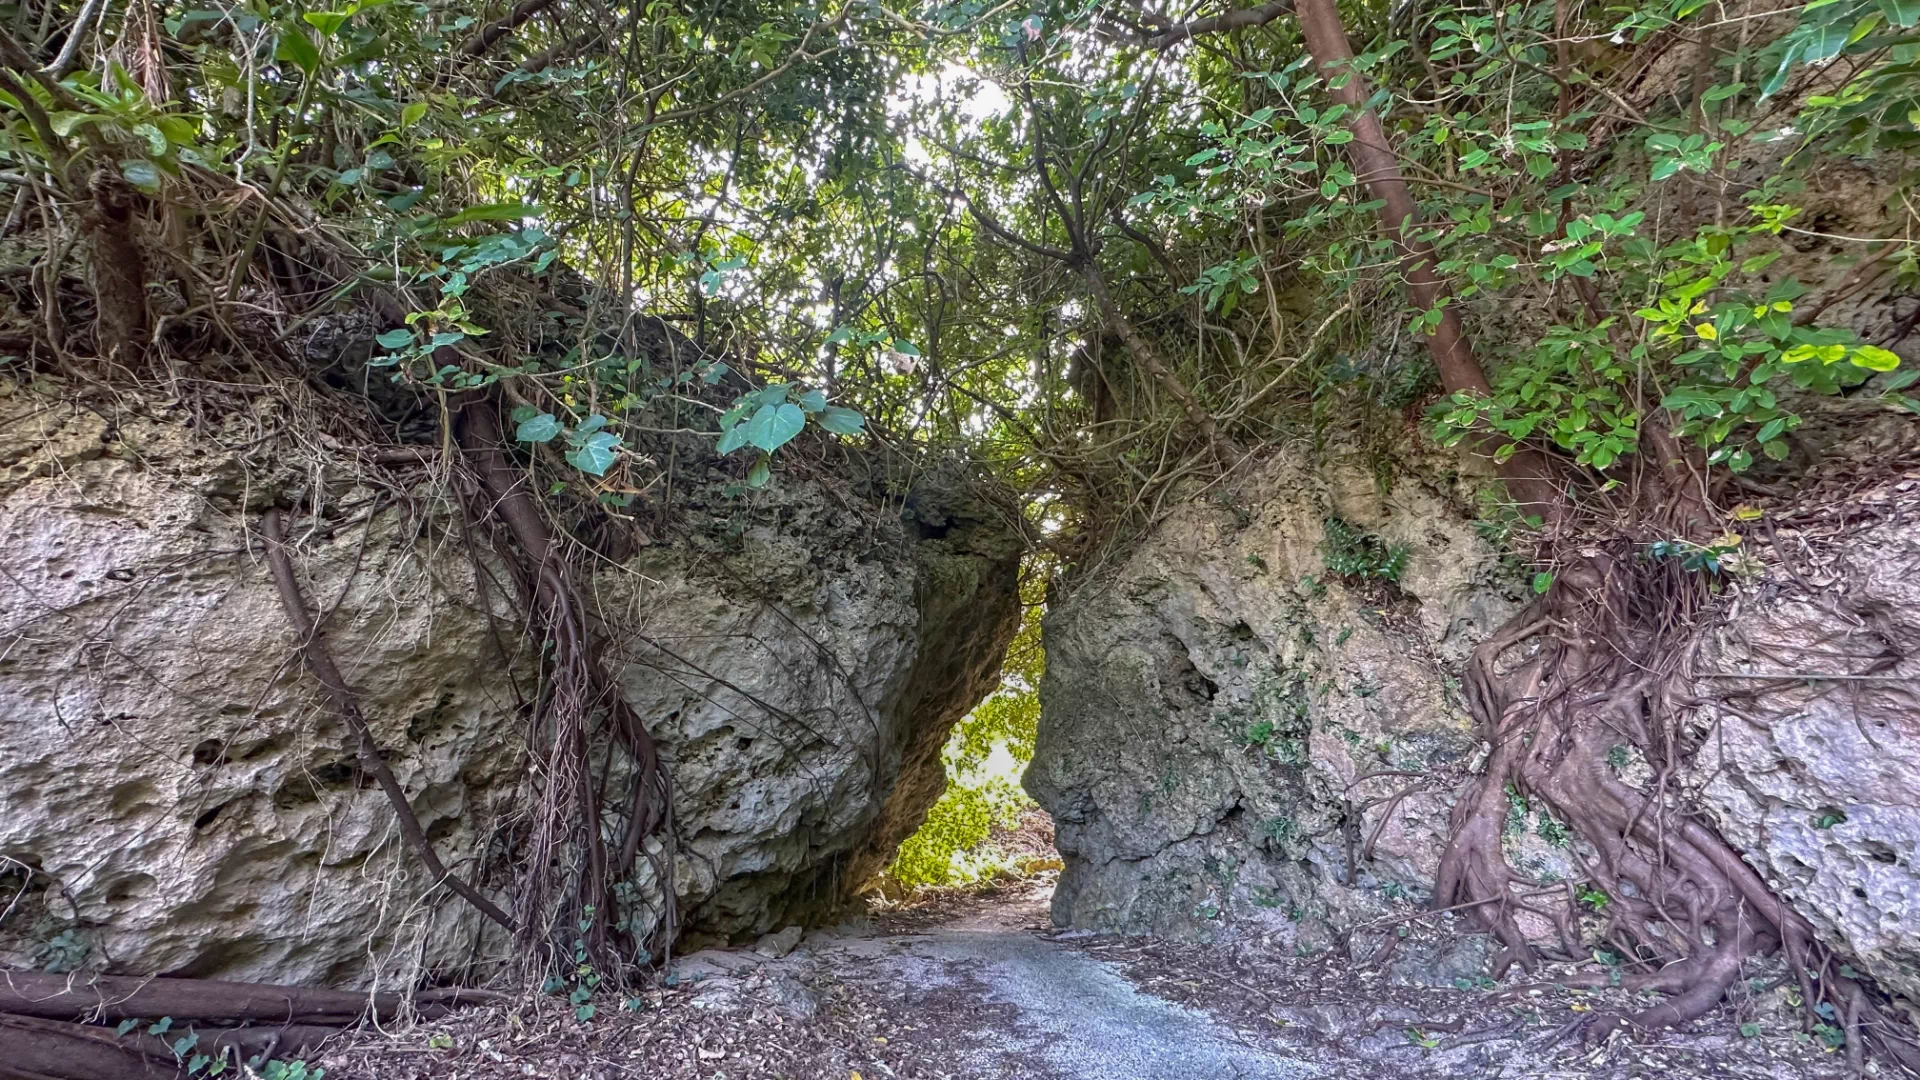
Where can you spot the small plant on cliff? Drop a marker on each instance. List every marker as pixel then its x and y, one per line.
pixel 1358 555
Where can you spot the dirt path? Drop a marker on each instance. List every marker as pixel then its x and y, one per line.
pixel 1062 1013
pixel 982 988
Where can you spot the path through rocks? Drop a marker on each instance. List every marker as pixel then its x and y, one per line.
pixel 983 988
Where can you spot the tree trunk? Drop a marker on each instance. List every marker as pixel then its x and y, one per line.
pixel 1527 474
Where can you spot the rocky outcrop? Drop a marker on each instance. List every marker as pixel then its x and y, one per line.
pixel 802 664
pixel 1234 734
pixel 1810 686
pixel 179 799
pixel 1235 740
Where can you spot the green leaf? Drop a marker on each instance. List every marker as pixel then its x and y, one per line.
pixel 413 113
pixel 761 472
pixel 585 1012
pixel 842 421
pixel 156 139
pixel 774 426
pixel 1542 581
pixel 813 401
pixel 905 347
pixel 141 174
pixel 595 454
pixel 294 47
pixel 506 211
pixel 395 339
pixel 327 22
pixel 732 439
pixel 1874 358
pixel 1901 13
pixel 64 123
pixel 541 428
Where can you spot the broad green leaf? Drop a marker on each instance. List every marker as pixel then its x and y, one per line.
pixel 65 123
pixel 156 139
pixel 775 425
pixel 1874 358
pixel 395 339
pixel 813 401
pixel 905 347
pixel 327 22
pixel 842 421
pixel 732 439
pixel 541 428
pixel 413 113
pixel 761 472
pixel 595 454
pixel 297 49
pixel 512 211
pixel 141 174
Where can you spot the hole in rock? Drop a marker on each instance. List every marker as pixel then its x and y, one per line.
pixel 985 849
pixel 210 752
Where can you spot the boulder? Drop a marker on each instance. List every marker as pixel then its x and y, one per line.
pixel 1817 780
pixel 1236 742
pixel 179 799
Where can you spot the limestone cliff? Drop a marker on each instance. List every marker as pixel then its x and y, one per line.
pixel 177 798
pixel 1236 740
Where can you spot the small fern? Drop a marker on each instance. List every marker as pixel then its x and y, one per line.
pixel 1356 554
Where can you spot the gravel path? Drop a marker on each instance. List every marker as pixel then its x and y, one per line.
pixel 1061 1012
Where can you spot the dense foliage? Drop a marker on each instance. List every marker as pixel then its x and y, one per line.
pixel 973 225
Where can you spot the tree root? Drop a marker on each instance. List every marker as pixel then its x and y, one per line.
pixel 121 997
pixel 51 1025
pixel 578 692
pixel 49 1048
pixel 320 662
pixel 1607 644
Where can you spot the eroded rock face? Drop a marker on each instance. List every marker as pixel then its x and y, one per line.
pixel 185 801
pixel 1225 726
pixel 1818 781
pixel 1225 722
pixel 802 666
pixel 179 799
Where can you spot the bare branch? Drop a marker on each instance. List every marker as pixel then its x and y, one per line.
pixel 1169 35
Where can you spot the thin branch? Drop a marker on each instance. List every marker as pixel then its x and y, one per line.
pixel 489 35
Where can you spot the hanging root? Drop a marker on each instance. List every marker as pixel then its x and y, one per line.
pixel 1602 648
pixel 572 876
pixel 320 662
